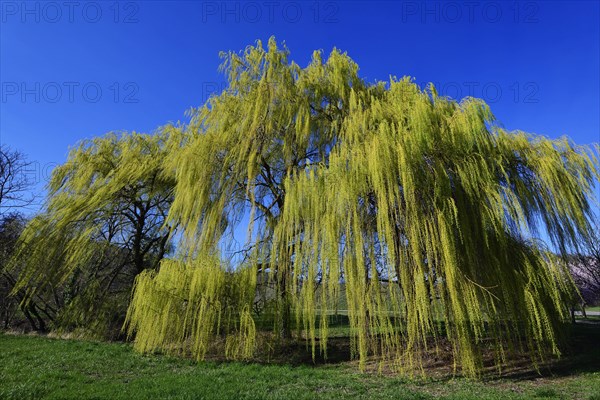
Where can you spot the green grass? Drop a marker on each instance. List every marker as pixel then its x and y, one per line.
pixel 38 367
pixel 596 308
pixel 588 318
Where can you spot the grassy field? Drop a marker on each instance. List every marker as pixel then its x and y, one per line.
pixel 38 367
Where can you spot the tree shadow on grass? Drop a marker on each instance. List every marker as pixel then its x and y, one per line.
pixel 581 354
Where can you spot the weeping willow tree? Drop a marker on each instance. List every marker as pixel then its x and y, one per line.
pixel 103 223
pixel 419 210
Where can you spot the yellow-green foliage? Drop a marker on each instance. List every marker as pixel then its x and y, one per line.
pixel 419 207
pixel 193 299
pixel 111 189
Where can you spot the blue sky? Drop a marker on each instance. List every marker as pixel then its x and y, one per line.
pixel 74 70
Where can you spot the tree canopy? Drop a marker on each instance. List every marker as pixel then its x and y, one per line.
pixel 419 211
pixel 104 223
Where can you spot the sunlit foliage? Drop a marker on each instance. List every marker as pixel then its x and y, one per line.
pixel 419 207
pixel 421 211
pixel 103 223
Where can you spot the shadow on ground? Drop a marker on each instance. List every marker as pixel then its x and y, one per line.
pixel 580 354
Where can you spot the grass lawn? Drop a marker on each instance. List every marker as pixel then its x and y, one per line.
pixel 34 367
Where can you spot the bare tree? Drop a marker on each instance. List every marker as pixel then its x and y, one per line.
pixel 14 195
pixel 14 185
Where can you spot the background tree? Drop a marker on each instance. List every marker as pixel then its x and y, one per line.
pixel 15 195
pixel 103 224
pixel 421 209
pixel 11 226
pixel 585 268
pixel 14 186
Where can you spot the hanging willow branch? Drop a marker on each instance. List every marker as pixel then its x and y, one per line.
pixel 104 219
pixel 415 208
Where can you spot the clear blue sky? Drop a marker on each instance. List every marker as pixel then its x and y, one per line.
pixel 73 70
